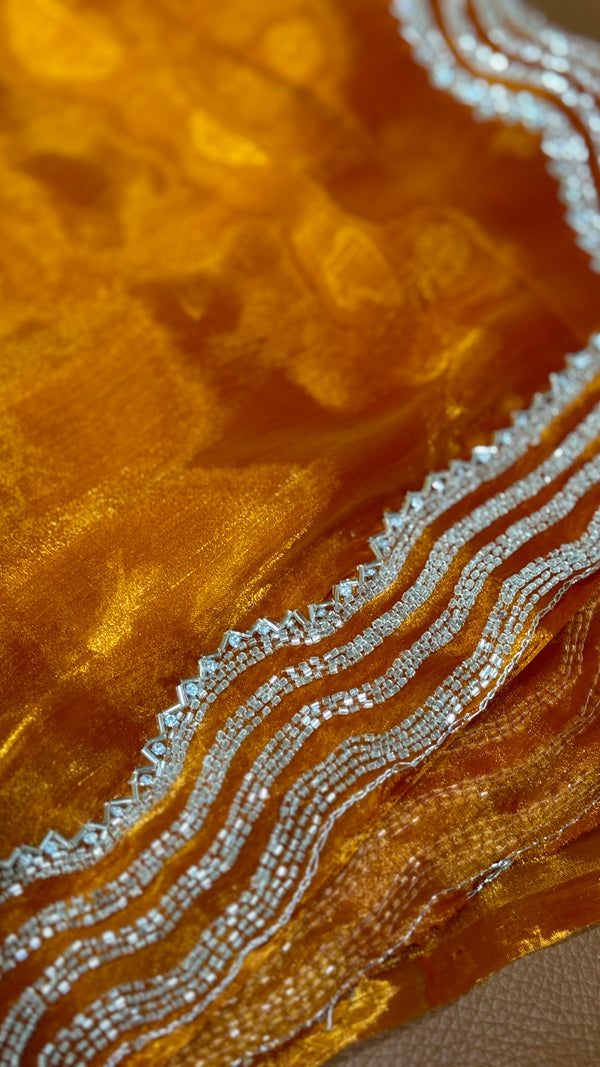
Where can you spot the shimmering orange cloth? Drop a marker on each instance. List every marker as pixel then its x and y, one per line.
pixel 258 279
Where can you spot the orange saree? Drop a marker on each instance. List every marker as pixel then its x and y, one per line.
pixel 301 405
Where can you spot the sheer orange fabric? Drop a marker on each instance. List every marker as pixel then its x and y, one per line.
pixel 259 279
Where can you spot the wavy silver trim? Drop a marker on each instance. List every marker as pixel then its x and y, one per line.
pixel 196 973
pixel 240 651
pixel 112 897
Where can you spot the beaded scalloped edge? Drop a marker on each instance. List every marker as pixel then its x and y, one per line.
pixel 165 752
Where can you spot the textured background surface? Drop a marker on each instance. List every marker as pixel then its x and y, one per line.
pixel 540 1010
pixel 580 16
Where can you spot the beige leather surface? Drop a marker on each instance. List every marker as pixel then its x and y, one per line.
pixel 541 1011
pixel 579 16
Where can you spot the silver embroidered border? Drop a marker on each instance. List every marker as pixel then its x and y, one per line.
pixel 239 651
pixel 416 736
pixel 112 897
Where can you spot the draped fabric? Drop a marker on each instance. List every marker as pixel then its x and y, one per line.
pixel 260 279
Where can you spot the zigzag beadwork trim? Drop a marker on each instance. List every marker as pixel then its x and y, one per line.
pixel 239 651
pixel 110 898
pixel 470 685
pixel 507 62
pixel 276 887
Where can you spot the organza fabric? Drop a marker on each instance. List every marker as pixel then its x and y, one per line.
pixel 259 278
